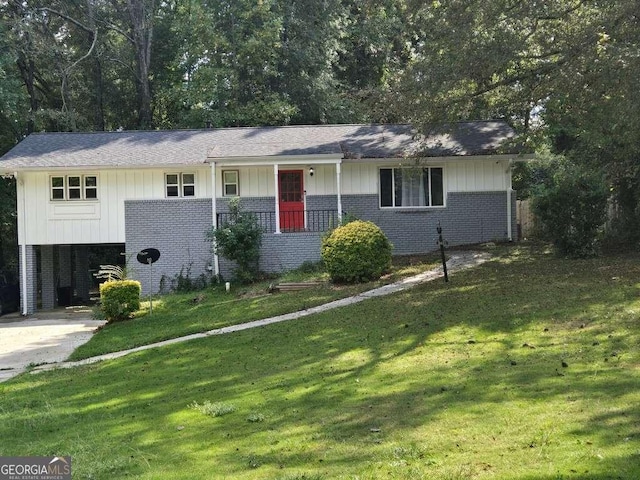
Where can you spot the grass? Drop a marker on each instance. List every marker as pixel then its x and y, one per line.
pixel 463 380
pixel 177 315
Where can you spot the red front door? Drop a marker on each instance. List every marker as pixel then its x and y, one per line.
pixel 291 199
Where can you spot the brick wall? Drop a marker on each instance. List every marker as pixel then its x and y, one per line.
pixel 48 276
pixel 283 251
pixel 177 229
pixel 468 218
pixel 280 252
pixel 31 295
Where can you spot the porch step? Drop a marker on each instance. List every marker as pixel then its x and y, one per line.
pixel 292 287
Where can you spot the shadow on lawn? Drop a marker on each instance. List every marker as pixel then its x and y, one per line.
pixel 312 378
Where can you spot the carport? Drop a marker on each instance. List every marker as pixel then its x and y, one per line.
pixel 62 275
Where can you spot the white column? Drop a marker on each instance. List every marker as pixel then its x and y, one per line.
pixel 277 190
pixel 339 190
pixel 22 241
pixel 214 219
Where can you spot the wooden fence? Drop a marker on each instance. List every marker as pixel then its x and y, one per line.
pixel 525 219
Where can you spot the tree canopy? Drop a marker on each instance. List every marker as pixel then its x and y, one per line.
pixel 562 72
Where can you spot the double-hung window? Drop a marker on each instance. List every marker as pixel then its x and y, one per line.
pixel 180 184
pixel 411 187
pixel 74 187
pixel 231 183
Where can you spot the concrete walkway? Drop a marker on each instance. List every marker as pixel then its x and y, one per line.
pixel 457 261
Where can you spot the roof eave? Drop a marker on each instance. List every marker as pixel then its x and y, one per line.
pixel 317 159
pixel 40 168
pixel 444 158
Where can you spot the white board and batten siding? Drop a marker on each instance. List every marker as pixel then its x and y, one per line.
pixel 362 178
pixel 65 222
pixel 48 222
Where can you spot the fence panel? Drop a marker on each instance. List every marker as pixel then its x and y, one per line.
pixel 525 219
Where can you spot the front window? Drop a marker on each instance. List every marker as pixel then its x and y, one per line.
pixel 411 187
pixel 57 188
pixel 90 187
pixel 74 187
pixel 231 183
pixel 180 184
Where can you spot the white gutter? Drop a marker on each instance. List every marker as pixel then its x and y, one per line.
pixel 317 159
pixel 214 220
pixel 95 168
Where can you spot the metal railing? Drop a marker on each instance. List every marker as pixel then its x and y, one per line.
pixel 296 221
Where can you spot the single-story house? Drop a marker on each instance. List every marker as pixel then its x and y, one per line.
pixel 165 189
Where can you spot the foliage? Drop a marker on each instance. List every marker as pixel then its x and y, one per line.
pixel 119 299
pixel 533 175
pixel 563 73
pixel 356 252
pixel 112 272
pixel 8 226
pixel 572 210
pixel 183 283
pixel 142 63
pixel 238 239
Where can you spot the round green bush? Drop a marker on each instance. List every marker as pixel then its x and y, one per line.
pixel 119 299
pixel 356 252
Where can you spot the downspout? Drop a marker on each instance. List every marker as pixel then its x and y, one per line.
pixel 509 202
pixel 277 190
pixel 214 221
pixel 338 189
pixel 23 246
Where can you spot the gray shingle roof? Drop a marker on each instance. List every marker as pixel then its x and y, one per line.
pixel 189 147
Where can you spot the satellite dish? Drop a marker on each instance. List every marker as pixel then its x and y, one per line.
pixel 148 256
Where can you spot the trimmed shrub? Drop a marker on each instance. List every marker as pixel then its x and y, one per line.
pixel 356 252
pixel 119 299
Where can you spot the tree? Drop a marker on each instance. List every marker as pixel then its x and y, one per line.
pixel 136 24
pixel 8 226
pixel 571 211
pixel 562 72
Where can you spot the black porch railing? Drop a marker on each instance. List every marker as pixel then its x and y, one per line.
pixel 291 221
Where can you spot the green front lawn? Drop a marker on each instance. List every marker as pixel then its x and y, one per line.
pixel 527 367
pixel 177 315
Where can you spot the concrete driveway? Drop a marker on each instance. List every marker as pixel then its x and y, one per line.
pixel 45 337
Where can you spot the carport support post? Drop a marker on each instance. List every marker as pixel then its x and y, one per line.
pixel 47 271
pixel 28 279
pixel 83 280
pixel 64 265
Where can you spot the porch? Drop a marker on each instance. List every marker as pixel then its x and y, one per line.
pixel 294 221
